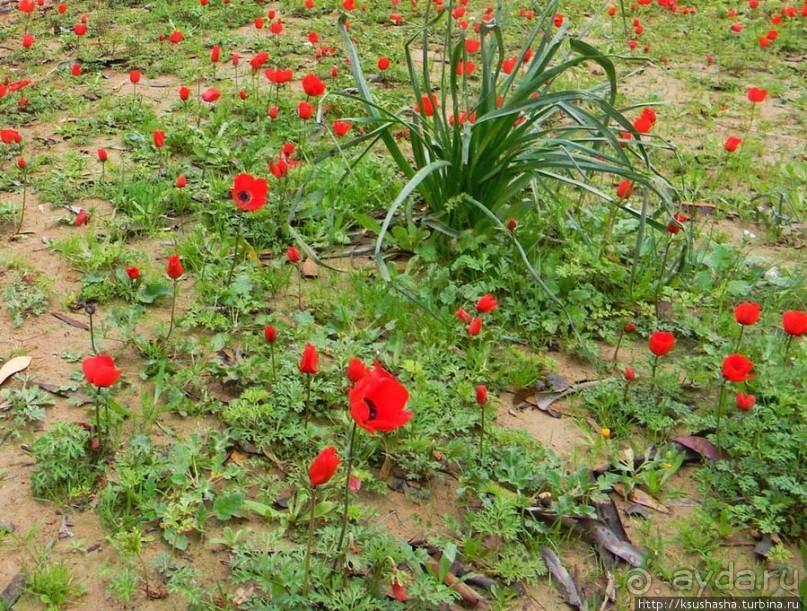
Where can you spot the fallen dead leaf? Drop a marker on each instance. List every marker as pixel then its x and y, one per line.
pixel 15 365
pixel 309 269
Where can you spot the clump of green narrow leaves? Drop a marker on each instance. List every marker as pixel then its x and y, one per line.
pixel 490 139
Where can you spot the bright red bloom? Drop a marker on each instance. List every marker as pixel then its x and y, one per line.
pixel 211 94
pixel 356 370
pixel 737 27
pixel 674 226
pixel 794 322
pixel 159 138
pixel 487 303
pixel 426 105
pixel 273 112
pixel 747 313
pixel 313 38
pixel 630 374
pixel 557 20
pixel 134 76
pixel 463 315
pixel 377 401
pixel 323 467
pixel 642 125
pixel 737 368
pixel 481 394
pixel 757 95
pixel 661 342
pixel 182 181
pixel 276 27
pixel 472 46
pixel 745 402
pixel 75 69
pixel 731 143
pixel 248 192
pixel 133 273
pixel 61 9
pixel 215 54
pixel 258 60
pixel 174 269
pixel 313 86
pixel 310 359
pixel 340 128
pixel 9 136
pixel 100 370
pixel 184 93
pixel 270 334
pixel 80 29
pixel 509 65
pixel 292 254
pixel 82 218
pixel 259 23
pixel 26 6
pixel 625 189
pixel 27 40
pixel 383 63
pixel 279 169
pixel 398 591
pixel 176 37
pixel 475 327
pixel 102 155
pixel 304 110
pixel 21 163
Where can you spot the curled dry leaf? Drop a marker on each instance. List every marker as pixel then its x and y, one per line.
pixel 15 365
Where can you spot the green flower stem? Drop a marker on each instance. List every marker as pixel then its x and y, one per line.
pixel 739 338
pixel 92 336
pixel 98 417
pixel 235 254
pixel 339 558
pixel 618 344
pixel 787 346
pixel 653 368
pixel 308 400
pixel 718 413
pixel 173 311
pixel 272 353
pixel 310 544
pixel 22 208
pixel 482 435
pixel 662 269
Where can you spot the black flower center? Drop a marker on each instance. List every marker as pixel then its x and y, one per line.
pixel 373 409
pixel 244 196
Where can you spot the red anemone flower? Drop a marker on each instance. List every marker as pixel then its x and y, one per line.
pixel 313 86
pixel 487 303
pixel 794 323
pixel 249 193
pixel 377 401
pixel 356 370
pixel 323 467
pixel 309 361
pixel 737 368
pixel 661 342
pixel 747 313
pixel 745 402
pixel 100 370
pixel 174 269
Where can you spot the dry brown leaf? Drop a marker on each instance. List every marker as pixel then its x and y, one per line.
pixel 15 365
pixel 642 498
pixel 309 269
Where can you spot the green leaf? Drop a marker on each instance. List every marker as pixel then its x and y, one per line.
pixel 324 508
pixel 226 506
pixel 118 408
pixel 369 223
pixel 151 291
